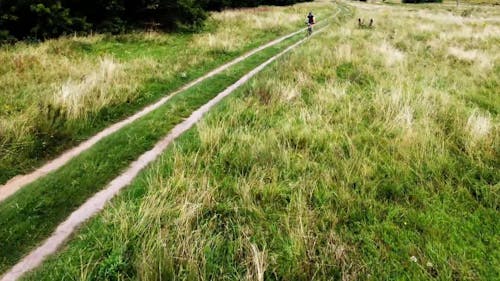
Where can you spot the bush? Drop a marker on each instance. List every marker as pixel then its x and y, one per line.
pixel 44 19
pixel 186 14
pixel 21 19
pixel 51 20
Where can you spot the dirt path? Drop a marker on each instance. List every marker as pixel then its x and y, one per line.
pixel 96 203
pixel 18 182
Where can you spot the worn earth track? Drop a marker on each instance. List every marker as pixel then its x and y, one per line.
pixel 18 182
pixel 96 203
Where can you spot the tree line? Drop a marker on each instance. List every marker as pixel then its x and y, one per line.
pixel 42 19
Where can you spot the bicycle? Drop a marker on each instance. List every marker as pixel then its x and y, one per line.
pixel 309 28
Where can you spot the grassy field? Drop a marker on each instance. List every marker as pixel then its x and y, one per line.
pixel 58 93
pixel 366 154
pixel 33 213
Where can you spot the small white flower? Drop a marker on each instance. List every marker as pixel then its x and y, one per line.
pixel 429 264
pixel 413 259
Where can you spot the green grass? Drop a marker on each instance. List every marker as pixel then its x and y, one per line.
pixel 36 123
pixel 355 158
pixel 34 212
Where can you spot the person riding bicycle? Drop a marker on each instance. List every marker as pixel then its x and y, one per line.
pixel 311 20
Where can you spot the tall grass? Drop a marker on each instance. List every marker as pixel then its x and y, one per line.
pixel 367 154
pixel 56 93
pixel 32 214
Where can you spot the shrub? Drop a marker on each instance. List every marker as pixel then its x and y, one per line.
pixel 52 18
pixel 21 19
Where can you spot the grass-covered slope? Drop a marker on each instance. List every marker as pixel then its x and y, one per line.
pixel 366 154
pixel 58 93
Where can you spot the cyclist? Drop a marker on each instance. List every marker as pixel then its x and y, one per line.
pixel 311 20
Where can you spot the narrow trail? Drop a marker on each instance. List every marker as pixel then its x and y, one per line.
pixel 18 182
pixel 97 202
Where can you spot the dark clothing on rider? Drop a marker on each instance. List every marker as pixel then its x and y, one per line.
pixel 311 18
